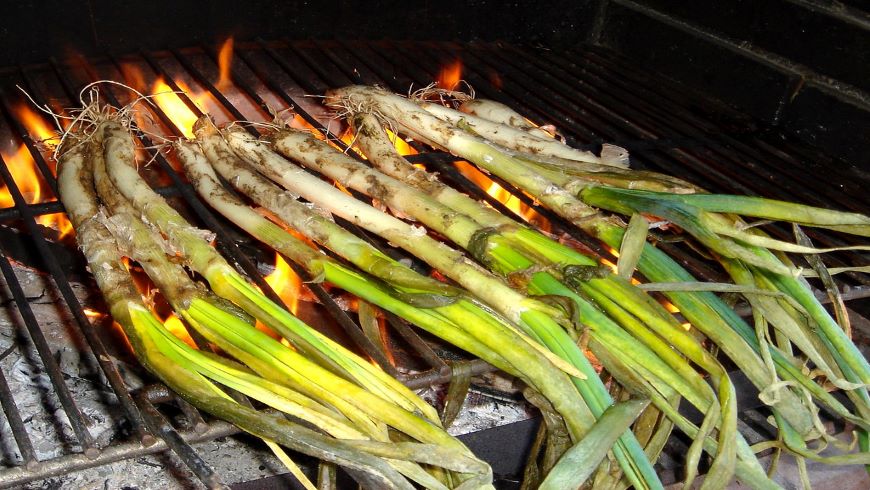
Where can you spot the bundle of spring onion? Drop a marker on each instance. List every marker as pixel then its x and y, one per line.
pixel 532 324
pixel 579 186
pixel 555 178
pixel 353 414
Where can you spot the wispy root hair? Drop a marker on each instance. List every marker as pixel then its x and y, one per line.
pixel 82 122
pixel 433 93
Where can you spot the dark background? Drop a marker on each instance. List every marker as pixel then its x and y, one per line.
pixel 802 66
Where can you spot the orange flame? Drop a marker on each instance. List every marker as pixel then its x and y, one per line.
pixel 402 146
pixel 133 76
pixel 610 264
pixel 510 201
pixel 177 328
pixel 225 60
pixel 27 175
pixel 35 124
pixel 171 104
pixel 92 314
pixel 286 283
pixel 450 75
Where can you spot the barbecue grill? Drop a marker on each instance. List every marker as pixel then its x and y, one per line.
pixel 591 93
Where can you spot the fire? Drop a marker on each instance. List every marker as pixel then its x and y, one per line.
pixel 510 201
pixel 35 124
pixel 225 60
pixel 401 145
pixel 450 75
pixel 92 314
pixel 286 283
pixel 177 328
pixel 171 104
pixel 27 175
pixel 610 264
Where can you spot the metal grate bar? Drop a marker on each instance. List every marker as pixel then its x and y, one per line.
pixel 160 426
pixel 13 416
pixel 77 420
pixel 642 110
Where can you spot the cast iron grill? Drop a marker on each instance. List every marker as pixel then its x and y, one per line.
pixel 592 95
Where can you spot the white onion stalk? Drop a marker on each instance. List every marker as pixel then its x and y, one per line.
pixel 502 114
pixel 518 139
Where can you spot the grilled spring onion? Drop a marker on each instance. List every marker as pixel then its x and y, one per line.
pixel 497 112
pixel 704 309
pixel 271 359
pixel 437 307
pixel 415 122
pixel 511 257
pixel 516 139
pixel 550 332
pixel 158 352
pixel 530 363
pixel 225 281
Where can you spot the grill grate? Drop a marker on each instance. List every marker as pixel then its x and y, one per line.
pixel 592 95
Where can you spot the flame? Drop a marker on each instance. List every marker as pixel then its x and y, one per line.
pixel 92 314
pixel 510 201
pixel 171 104
pixel 286 283
pixel 133 76
pixel 34 123
pixel 349 139
pixel 450 75
pixel 225 61
pixel 610 264
pixel 27 176
pixel 165 98
pixel 402 146
pixel 177 328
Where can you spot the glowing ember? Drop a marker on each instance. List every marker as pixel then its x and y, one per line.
pixel 495 80
pixel 286 283
pixel 225 59
pixel 609 264
pixel 450 76
pixel 670 307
